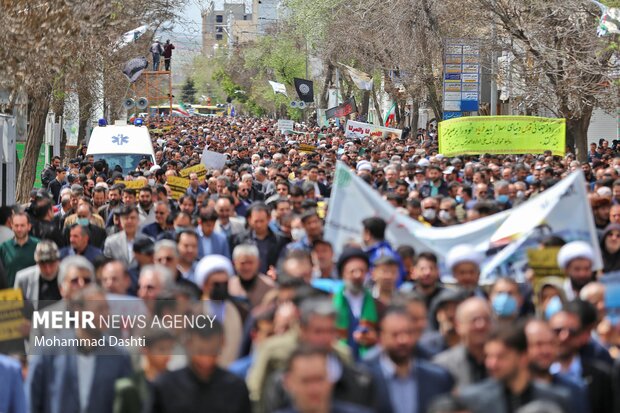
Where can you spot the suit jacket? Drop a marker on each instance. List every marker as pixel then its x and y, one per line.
pixel 261 287
pixel 336 407
pixel 54 387
pixel 601 391
pixel 152 230
pixel 219 244
pixel 488 396
pixel 116 247
pixel 431 381
pixel 12 397
pixel 237 226
pixel 90 253
pixel 354 387
pixel 27 280
pixel 455 361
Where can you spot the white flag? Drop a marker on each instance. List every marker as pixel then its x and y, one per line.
pixel 131 36
pixel 362 80
pixel 278 88
pixel 504 238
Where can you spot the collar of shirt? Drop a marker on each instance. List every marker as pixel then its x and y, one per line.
pixel 575 370
pixel 15 244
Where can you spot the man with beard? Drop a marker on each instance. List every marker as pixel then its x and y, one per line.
pixel 425 274
pixel 114 200
pixel 570 333
pixel 575 259
pixel 435 185
pixel 153 230
pixel 510 385
pixel 404 383
pixel 542 349
pixel 145 206
pixel 248 282
pixel 464 263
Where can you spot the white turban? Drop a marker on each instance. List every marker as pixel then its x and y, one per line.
pixel 574 250
pixel 463 253
pixel 211 264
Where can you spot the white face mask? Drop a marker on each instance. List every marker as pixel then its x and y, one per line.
pixel 444 216
pixel 520 194
pixel 151 182
pixel 429 214
pixel 297 233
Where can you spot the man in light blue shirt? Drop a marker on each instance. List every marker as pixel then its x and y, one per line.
pixel 211 241
pixel 12 397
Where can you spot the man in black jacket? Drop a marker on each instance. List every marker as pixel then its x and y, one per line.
pixel 57 183
pixel 269 244
pixel 202 385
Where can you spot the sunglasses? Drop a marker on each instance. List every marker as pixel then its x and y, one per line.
pixel 572 332
pixel 76 280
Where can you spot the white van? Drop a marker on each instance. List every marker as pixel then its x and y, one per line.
pixel 124 145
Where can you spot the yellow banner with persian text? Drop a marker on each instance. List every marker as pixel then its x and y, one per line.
pixel 477 135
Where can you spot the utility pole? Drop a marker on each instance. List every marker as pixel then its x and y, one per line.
pixel 493 102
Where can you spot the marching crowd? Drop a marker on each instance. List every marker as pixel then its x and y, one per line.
pixel 300 327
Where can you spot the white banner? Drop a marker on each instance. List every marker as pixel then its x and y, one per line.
pixel 562 210
pixel 213 160
pixel 278 88
pixel 286 125
pixel 366 130
pixel 362 80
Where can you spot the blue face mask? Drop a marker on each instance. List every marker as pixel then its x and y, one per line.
pixel 459 199
pixel 83 222
pixel 504 305
pixel 502 199
pixel 553 306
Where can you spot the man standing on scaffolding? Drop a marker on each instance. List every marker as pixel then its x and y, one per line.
pixel 168 47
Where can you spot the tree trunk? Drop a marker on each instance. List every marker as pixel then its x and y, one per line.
pixel 25 179
pixel 365 104
pixel 328 81
pixel 375 100
pixel 415 114
pixel 577 135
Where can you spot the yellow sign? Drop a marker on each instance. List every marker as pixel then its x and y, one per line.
pixel 199 170
pixel 137 185
pixel 178 186
pixel 306 148
pixel 11 316
pixel 544 262
pixel 477 135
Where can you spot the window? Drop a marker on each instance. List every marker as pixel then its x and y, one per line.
pixel 219 18
pixel 219 37
pixel 219 29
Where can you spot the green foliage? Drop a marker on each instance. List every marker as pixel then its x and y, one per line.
pixel 188 93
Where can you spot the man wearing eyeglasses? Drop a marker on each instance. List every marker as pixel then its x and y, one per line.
pixel 592 373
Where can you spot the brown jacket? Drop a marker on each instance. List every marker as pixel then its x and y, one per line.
pixel 255 296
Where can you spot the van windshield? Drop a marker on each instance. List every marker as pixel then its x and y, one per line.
pixel 129 162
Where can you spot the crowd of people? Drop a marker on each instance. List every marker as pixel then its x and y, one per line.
pixel 299 327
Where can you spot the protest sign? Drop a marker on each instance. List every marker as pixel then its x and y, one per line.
pixel 199 170
pixel 544 261
pixel 504 238
pixel 178 186
pixel 344 109
pixel 285 124
pixel 137 185
pixel 476 135
pixel 366 130
pixel 306 148
pixel 11 315
pixel 213 160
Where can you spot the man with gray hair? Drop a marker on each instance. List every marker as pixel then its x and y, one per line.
pixel 167 255
pixel 38 283
pixel 248 282
pixel 74 274
pixel 268 188
pixel 155 281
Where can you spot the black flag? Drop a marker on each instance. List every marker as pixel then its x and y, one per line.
pixel 344 109
pixel 134 68
pixel 304 89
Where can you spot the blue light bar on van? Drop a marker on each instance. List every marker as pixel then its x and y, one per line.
pixel 103 122
pixel 138 122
